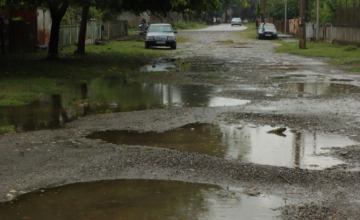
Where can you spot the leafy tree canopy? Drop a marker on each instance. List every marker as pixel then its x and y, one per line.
pixel 277 9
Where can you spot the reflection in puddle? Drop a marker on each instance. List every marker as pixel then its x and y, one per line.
pixel 286 76
pixel 52 111
pixel 342 80
pixel 321 88
pixel 244 142
pixel 141 199
pixel 185 67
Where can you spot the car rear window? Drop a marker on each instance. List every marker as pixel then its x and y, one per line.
pixel 236 19
pixel 160 29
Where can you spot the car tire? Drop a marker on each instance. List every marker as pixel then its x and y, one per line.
pixel 173 46
pixel 232 25
pixel 147 46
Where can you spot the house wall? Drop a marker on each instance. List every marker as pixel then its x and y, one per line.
pixel 44 22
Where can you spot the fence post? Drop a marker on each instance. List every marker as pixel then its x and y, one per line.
pixel 64 28
pixel 77 31
pixel 100 29
pixel 70 34
pixel 92 32
pixel 108 30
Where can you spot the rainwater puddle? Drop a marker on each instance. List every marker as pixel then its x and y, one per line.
pixel 247 143
pixel 185 67
pixel 141 199
pixel 342 80
pixel 94 97
pixel 286 76
pixel 321 88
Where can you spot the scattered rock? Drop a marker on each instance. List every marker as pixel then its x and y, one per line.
pixel 112 105
pixel 277 131
pixel 10 196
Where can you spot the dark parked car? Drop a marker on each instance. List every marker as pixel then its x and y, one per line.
pixel 160 35
pixel 266 30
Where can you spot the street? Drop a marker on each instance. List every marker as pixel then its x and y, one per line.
pixel 222 27
pixel 317 103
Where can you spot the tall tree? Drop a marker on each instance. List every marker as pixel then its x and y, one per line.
pixel 302 27
pixel 82 31
pixel 57 9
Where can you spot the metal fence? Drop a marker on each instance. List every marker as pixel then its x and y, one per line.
pixel 69 34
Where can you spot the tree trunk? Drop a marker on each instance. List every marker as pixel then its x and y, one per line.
pixel 82 32
pixel 2 36
pixel 353 12
pixel 57 13
pixel 264 10
pixel 346 12
pixel 302 27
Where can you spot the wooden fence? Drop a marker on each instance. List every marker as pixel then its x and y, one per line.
pixel 340 33
pixel 328 32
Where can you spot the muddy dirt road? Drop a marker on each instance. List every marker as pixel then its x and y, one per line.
pixel 303 94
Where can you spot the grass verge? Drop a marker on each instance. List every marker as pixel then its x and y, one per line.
pixel 190 25
pixel 339 54
pixel 7 130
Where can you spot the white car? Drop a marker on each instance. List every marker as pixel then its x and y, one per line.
pixel 236 21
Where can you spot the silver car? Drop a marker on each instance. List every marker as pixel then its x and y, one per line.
pixel 160 35
pixel 236 21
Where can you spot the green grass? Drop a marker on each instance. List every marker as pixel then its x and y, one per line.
pixel 339 54
pixel 133 49
pixel 26 77
pixel 190 25
pixel 249 33
pixel 7 130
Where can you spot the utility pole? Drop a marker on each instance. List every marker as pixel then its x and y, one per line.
pixel 264 10
pixel 286 14
pixel 317 22
pixel 302 27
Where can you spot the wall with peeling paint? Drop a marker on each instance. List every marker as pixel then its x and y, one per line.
pixel 44 22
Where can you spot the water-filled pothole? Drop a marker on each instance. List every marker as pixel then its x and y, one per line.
pixel 247 143
pixel 194 66
pixel 342 80
pixel 94 97
pixel 321 88
pixel 141 199
pixel 286 76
